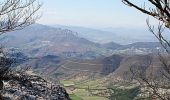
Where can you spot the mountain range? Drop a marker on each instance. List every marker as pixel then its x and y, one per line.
pixel 67 58
pixel 41 40
pixel 58 51
pixel 120 35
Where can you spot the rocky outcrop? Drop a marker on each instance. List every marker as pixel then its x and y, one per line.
pixel 28 86
pixel 23 84
pixel 43 92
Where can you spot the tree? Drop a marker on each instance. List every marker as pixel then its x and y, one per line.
pixel 160 10
pixel 14 15
pixel 17 14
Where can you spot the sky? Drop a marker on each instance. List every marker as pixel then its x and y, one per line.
pixel 91 13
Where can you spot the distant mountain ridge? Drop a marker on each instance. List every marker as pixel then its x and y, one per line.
pixel 119 35
pixel 41 40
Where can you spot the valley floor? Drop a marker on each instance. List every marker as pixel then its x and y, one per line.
pixel 94 90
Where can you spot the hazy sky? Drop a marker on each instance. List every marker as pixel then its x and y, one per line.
pixel 91 13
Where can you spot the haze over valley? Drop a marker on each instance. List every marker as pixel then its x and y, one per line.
pixel 74 56
pixel 84 50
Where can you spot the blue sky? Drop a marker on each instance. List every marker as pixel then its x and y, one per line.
pixel 91 13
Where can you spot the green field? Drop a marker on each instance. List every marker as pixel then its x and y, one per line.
pixel 84 91
pixel 74 97
pixel 83 94
pixel 93 90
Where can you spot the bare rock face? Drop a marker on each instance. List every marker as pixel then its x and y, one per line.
pixel 37 92
pixel 22 84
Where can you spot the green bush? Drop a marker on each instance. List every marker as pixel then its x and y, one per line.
pixel 124 94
